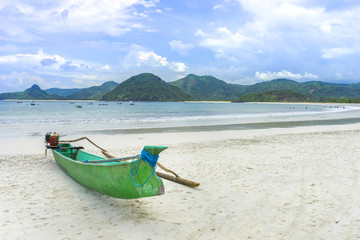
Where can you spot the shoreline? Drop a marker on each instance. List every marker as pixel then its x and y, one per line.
pixel 141 137
pixel 231 127
pixel 49 100
pixel 200 101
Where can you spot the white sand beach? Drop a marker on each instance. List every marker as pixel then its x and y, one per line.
pixel 279 183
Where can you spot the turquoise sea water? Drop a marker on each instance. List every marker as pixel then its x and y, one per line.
pixel 121 117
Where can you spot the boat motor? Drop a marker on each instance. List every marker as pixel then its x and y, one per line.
pixel 52 139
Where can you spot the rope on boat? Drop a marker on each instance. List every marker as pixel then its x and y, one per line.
pixel 110 160
pixel 82 138
pixel 158 164
pixel 149 158
pixel 146 157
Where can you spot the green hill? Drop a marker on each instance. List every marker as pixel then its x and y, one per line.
pixel 211 88
pixel 93 93
pixel 33 93
pixel 327 90
pixel 355 85
pixel 274 96
pixel 276 84
pixel 64 92
pixel 146 87
pixel 314 89
pixel 208 88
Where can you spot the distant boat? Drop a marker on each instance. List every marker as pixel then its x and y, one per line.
pixel 131 103
pixel 19 102
pixel 78 106
pixel 102 104
pixel 32 104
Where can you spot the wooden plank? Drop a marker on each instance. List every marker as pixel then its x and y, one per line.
pixel 178 179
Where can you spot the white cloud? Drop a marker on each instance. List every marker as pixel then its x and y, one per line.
pixel 264 76
pixel 326 27
pixel 53 67
pixel 218 6
pixel 106 68
pixel 268 21
pixel 85 81
pixel 226 45
pixel 146 3
pixel 274 12
pixel 181 47
pixel 337 52
pixel 283 26
pixel 139 57
pixel 50 64
pixel 30 60
pixel 78 81
pixel 152 59
pixel 178 67
pixel 17 80
pixel 200 33
pixel 111 17
pixel 222 39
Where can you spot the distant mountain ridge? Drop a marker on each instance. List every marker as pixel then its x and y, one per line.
pixel 314 89
pixel 93 93
pixel 63 92
pixel 32 93
pixel 208 88
pixel 149 87
pixel 146 87
pixel 36 93
pixel 284 95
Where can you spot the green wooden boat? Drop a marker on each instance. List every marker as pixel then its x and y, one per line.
pixel 126 178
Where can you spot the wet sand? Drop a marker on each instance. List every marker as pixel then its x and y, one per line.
pixel 278 183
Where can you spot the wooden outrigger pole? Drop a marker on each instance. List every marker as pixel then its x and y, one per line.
pixel 176 178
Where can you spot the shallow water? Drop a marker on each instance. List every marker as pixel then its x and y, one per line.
pixel 121 117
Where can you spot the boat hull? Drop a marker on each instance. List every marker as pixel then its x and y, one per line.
pixel 109 178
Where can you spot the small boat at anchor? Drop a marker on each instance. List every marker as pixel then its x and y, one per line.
pixel 127 178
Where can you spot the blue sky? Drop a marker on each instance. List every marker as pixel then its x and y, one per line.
pixel 81 43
